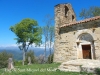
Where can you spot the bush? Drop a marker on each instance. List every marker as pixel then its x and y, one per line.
pixel 97 71
pixel 17 63
pixel 50 58
pixel 41 59
pixel 4 56
pixel 31 55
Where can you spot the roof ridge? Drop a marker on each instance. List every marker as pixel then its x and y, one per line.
pixel 81 21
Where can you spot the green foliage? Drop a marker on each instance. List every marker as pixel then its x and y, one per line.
pixel 4 59
pixel 50 58
pixel 31 55
pixel 17 63
pixel 51 33
pixel 40 69
pixel 45 31
pixel 48 32
pixel 91 12
pixel 27 31
pixel 97 71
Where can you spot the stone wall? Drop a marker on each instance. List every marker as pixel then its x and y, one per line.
pixel 62 17
pixel 64 13
pixel 66 40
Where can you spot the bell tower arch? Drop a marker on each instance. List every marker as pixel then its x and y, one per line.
pixel 64 14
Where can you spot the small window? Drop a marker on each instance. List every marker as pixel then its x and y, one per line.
pixel 73 17
pixel 66 11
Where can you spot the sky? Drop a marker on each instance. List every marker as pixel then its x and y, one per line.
pixel 13 11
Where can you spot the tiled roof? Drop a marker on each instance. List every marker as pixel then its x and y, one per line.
pixel 82 21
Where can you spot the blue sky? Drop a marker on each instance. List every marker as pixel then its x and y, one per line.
pixel 13 11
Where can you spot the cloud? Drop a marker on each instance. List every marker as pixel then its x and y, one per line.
pixel 33 45
pixel 47 44
pixel 10 45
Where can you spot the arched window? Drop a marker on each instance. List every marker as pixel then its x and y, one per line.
pixel 73 17
pixel 66 11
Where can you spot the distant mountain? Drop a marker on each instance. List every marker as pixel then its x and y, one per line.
pixel 17 54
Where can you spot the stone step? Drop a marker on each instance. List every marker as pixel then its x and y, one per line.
pixel 80 65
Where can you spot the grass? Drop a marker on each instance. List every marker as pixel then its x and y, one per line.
pixel 38 69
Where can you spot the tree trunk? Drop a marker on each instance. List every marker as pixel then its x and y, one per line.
pixel 50 51
pixel 24 52
pixel 45 52
pixel 23 57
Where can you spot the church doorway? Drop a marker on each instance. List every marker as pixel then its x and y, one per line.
pixel 85 46
pixel 86 50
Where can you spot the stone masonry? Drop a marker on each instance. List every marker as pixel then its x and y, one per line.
pixel 75 39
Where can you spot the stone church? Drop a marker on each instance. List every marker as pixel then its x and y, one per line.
pixel 75 39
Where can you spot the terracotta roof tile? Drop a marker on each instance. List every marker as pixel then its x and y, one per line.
pixel 82 21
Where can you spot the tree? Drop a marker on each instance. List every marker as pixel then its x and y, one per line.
pixel 91 12
pixel 48 31
pixel 45 33
pixel 51 39
pixel 27 32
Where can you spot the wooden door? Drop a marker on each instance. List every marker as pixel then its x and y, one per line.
pixel 86 49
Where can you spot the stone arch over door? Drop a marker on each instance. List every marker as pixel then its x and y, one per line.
pixel 85 46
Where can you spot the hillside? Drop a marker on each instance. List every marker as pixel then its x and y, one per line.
pixel 17 54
